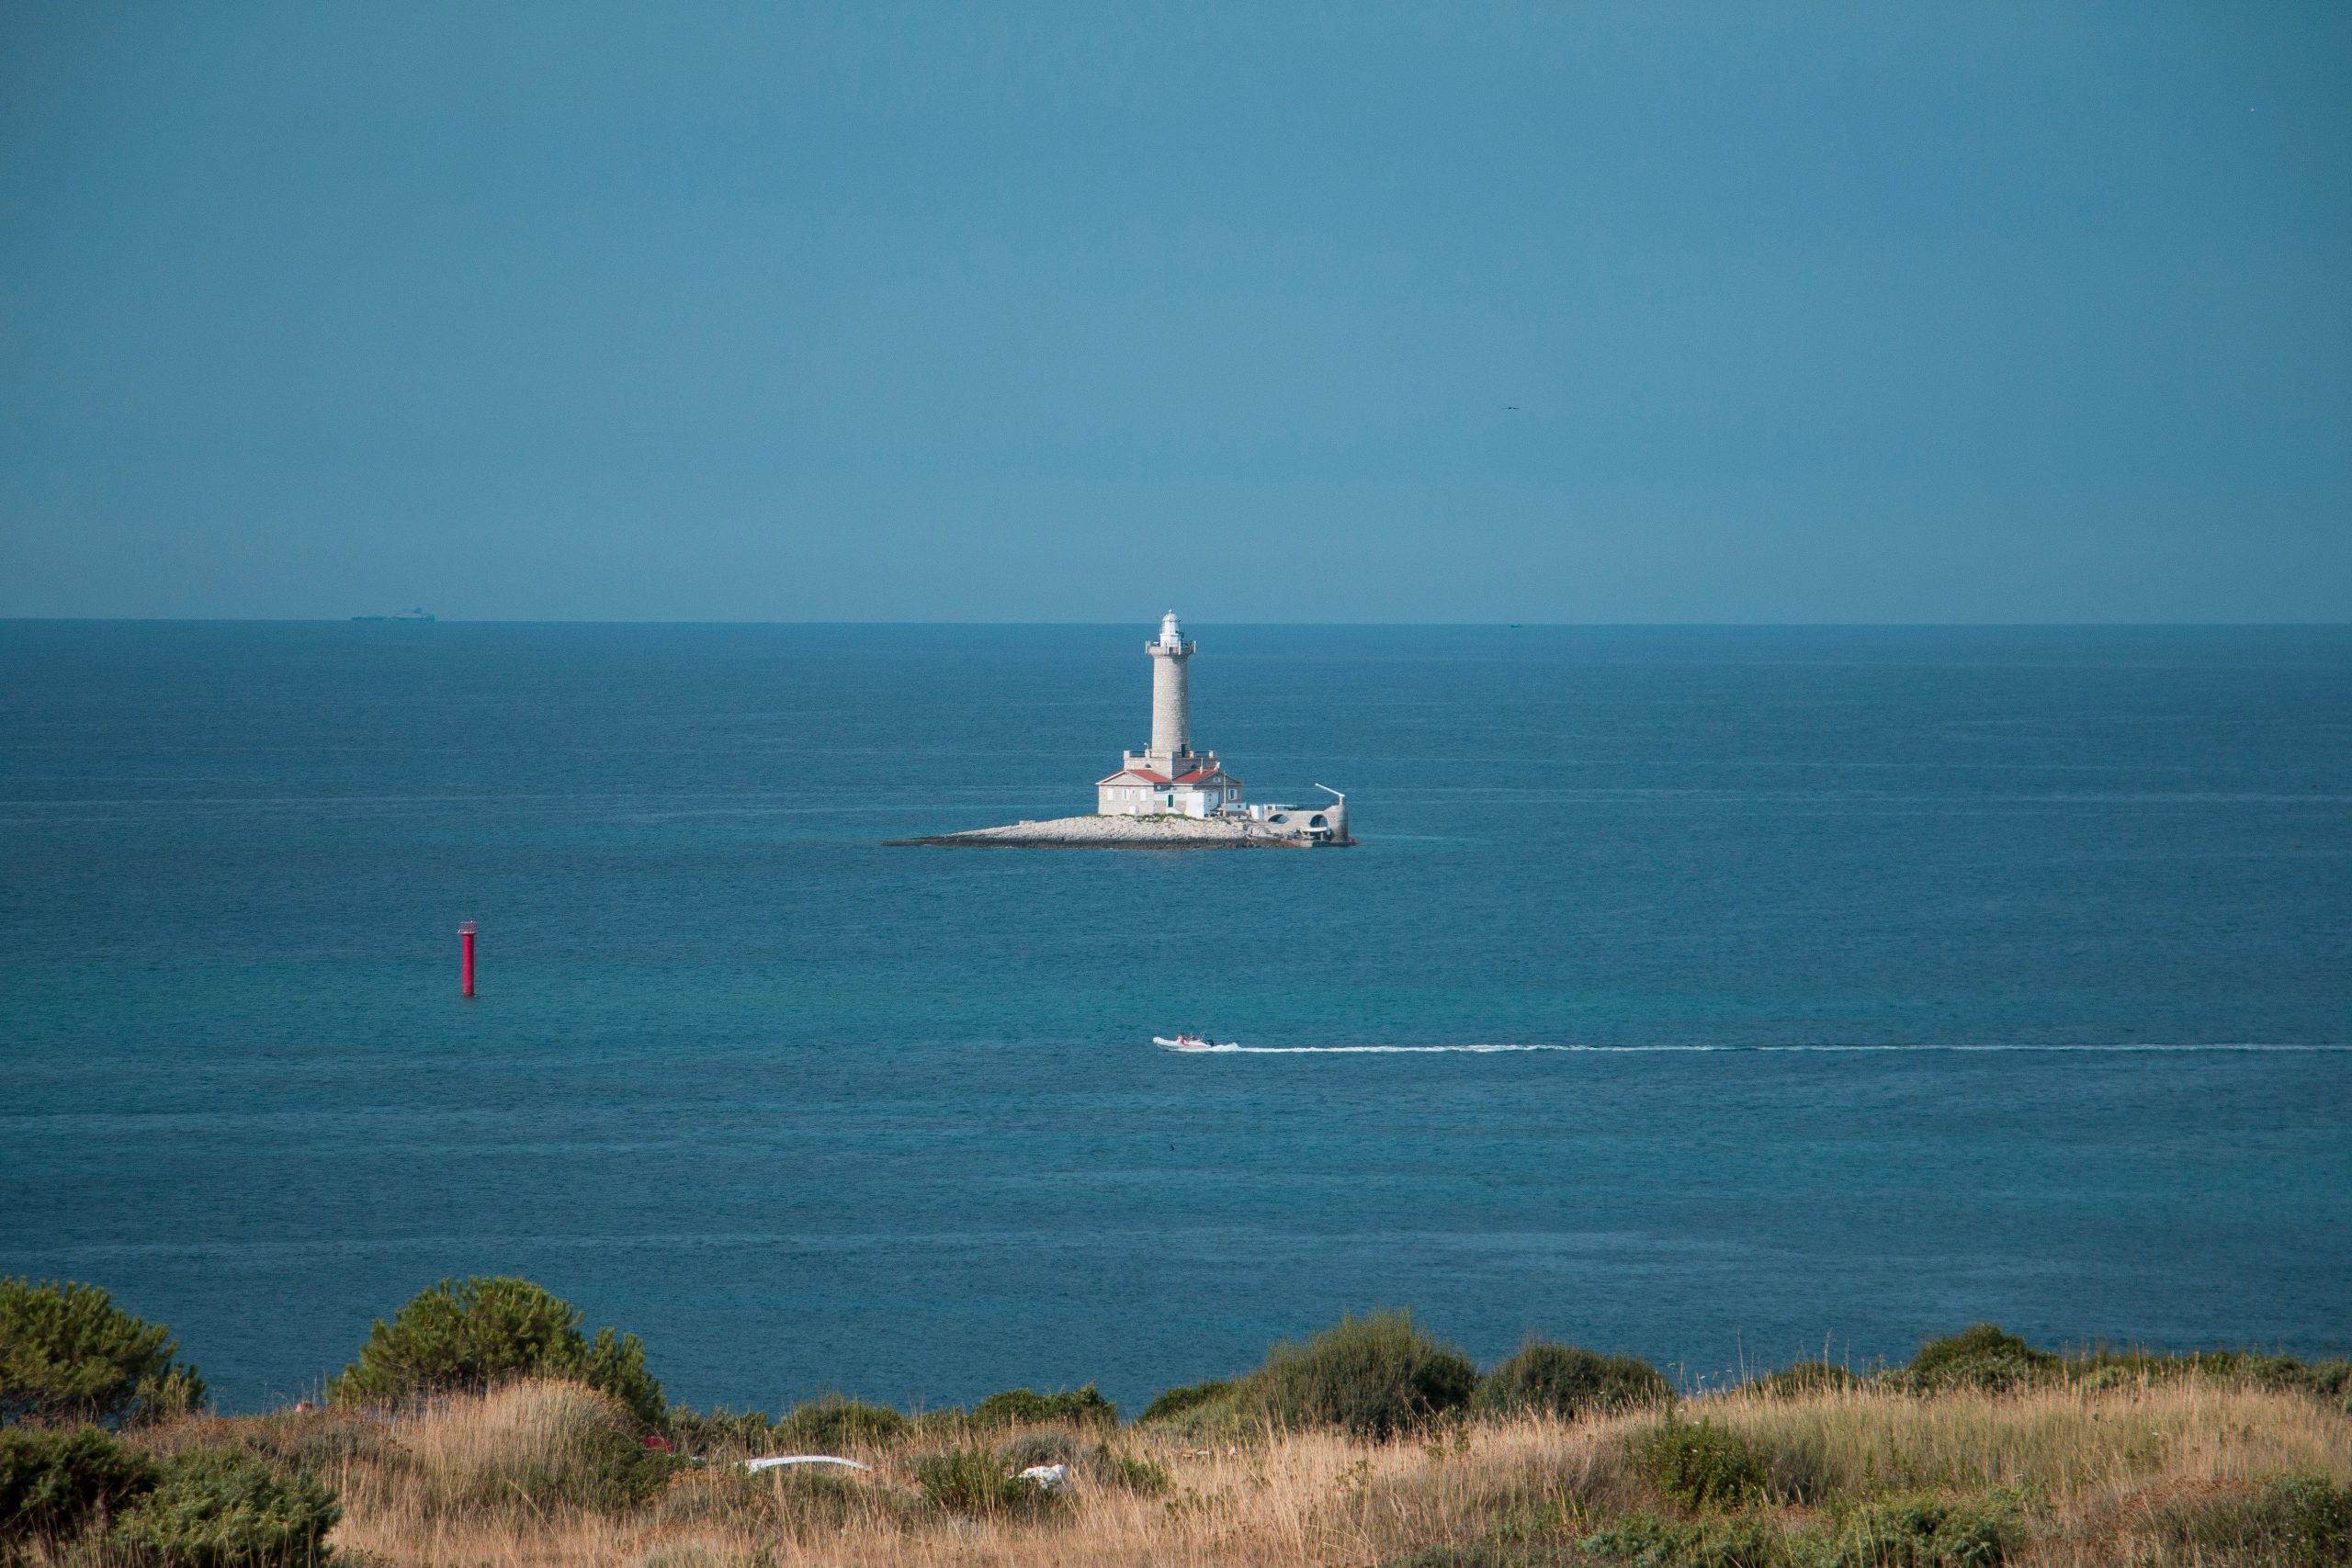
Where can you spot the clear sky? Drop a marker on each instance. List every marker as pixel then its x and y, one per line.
pixel 1564 313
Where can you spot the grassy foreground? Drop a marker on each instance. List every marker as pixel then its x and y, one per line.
pixel 2188 1470
pixel 481 1424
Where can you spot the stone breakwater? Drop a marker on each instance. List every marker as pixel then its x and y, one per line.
pixel 1126 833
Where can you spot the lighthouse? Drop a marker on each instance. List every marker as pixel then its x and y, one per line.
pixel 1170 716
pixel 1168 778
pixel 1168 795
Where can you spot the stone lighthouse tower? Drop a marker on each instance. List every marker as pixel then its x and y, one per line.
pixel 1168 779
pixel 1172 732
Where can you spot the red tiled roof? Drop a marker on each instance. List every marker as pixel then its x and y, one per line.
pixel 1197 776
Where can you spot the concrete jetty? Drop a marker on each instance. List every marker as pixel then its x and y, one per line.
pixel 1132 833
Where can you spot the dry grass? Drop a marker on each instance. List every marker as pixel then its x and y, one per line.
pixel 2054 1443
pixel 532 1475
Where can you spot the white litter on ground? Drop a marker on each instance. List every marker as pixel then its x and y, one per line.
pixel 777 1461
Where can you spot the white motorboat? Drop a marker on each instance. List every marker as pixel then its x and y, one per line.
pixel 1190 1043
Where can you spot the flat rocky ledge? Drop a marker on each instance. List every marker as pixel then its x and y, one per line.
pixel 1125 833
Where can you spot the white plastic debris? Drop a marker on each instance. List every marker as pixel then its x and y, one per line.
pixel 1047 1477
pixel 777 1461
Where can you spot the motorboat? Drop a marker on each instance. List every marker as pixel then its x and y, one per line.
pixel 1189 1042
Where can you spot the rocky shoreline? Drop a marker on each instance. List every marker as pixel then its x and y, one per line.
pixel 1125 833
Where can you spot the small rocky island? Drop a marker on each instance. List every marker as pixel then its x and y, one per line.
pixel 1170 796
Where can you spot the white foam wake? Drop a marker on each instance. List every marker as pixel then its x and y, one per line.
pixel 1239 1050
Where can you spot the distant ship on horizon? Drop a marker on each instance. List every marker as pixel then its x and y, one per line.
pixel 418 614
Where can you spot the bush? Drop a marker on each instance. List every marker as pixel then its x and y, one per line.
pixel 1920 1532
pixel 833 1424
pixel 1172 1403
pixel 68 1353
pixel 54 1484
pixel 1980 1356
pixel 1561 1380
pixel 472 1335
pixel 1022 1407
pixel 828 1425
pixel 977 1483
pixel 1144 1477
pixel 1705 1466
pixel 2291 1521
pixel 1651 1542
pixel 1374 1376
pixel 219 1508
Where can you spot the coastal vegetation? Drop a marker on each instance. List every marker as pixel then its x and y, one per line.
pixel 68 1353
pixel 475 1332
pixel 1370 1442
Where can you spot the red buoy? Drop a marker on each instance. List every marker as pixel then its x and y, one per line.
pixel 466 959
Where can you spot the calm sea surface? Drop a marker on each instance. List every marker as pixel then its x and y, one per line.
pixel 1908 977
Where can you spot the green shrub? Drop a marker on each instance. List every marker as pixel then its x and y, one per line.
pixel 2291 1521
pixel 1919 1532
pixel 1374 1376
pixel 1144 1477
pixel 68 1353
pixel 482 1332
pixel 53 1484
pixel 831 1423
pixel 220 1508
pixel 1648 1541
pixel 1705 1466
pixel 1548 1379
pixel 1980 1356
pixel 1172 1403
pixel 1022 1407
pixel 975 1480
pixel 1203 1412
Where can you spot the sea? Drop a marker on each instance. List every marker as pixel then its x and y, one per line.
pixel 1721 996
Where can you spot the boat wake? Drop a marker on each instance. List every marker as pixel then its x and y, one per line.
pixel 1235 1049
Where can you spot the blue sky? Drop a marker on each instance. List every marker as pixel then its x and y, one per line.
pixel 1653 312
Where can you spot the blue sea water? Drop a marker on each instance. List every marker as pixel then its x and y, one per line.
pixel 1904 977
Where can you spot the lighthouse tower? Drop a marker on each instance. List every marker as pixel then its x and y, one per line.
pixel 1171 730
pixel 1170 778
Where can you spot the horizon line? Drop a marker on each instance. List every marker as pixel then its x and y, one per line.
pixel 1492 624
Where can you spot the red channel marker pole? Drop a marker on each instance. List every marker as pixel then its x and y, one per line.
pixel 466 959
